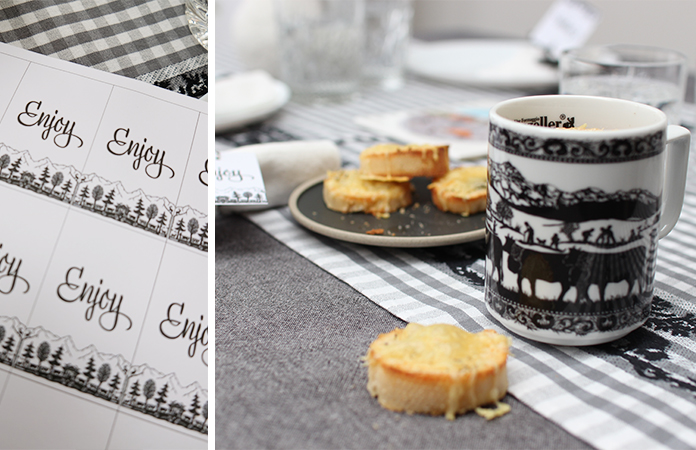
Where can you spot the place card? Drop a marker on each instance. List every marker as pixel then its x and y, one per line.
pixel 238 180
pixel 566 24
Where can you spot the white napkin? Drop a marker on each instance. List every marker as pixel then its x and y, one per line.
pixel 244 98
pixel 286 165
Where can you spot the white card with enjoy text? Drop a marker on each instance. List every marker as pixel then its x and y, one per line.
pixel 103 259
pixel 566 24
pixel 238 180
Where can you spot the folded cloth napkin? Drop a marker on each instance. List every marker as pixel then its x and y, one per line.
pixel 248 97
pixel 286 165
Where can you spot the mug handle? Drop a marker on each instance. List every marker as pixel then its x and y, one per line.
pixel 678 144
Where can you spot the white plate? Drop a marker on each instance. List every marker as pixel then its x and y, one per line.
pixel 503 64
pixel 246 98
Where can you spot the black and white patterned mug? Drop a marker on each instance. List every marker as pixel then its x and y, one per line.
pixel 580 190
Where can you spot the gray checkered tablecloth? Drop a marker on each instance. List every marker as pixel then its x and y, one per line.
pixel 148 40
pixel 637 392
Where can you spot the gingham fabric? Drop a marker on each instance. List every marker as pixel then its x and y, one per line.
pixel 637 392
pixel 147 40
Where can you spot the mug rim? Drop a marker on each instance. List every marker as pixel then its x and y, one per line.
pixel 659 122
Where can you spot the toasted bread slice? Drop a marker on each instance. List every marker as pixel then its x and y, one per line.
pixel 395 162
pixel 461 190
pixel 345 191
pixel 437 369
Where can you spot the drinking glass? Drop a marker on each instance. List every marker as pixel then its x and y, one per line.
pixel 321 47
pixel 650 75
pixel 197 16
pixel 387 31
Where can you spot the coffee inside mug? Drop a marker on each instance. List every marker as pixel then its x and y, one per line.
pixel 595 113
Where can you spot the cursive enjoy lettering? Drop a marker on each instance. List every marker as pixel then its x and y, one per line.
pixel 233 176
pixel 203 174
pixel 153 158
pixel 9 274
pixel 64 128
pixel 95 297
pixel 173 328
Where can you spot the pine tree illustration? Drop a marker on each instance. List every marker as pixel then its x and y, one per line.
pixel 135 391
pixel 8 346
pixel 179 228
pixel 138 211
pixel 195 406
pixel 84 194
pixel 203 234
pixel 55 359
pixel 204 413
pixel 66 188
pixel 114 384
pixel 28 352
pixel 89 371
pixel 24 333
pixel 44 177
pixel 109 199
pixel 162 396
pixel 161 222
pixel 14 167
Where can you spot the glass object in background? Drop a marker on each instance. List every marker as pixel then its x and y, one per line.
pixel 197 16
pixel 650 75
pixel 387 32
pixel 321 47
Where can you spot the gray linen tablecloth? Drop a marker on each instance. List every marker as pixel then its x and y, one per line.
pixel 289 337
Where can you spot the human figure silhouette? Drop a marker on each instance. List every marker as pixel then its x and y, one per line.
pixel 586 234
pixel 555 240
pixel 529 233
pixel 606 236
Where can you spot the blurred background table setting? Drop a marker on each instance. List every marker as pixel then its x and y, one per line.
pixel 326 294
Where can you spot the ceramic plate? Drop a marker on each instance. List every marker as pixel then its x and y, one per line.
pixel 493 63
pixel 420 225
pixel 247 98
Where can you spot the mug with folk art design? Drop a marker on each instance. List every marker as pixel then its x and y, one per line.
pixel 580 190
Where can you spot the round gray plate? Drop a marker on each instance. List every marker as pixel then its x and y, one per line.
pixel 420 225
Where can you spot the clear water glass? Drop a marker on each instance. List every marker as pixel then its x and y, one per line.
pixel 197 16
pixel 321 47
pixel 650 75
pixel 387 32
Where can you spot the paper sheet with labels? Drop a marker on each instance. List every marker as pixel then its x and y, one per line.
pixel 103 259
